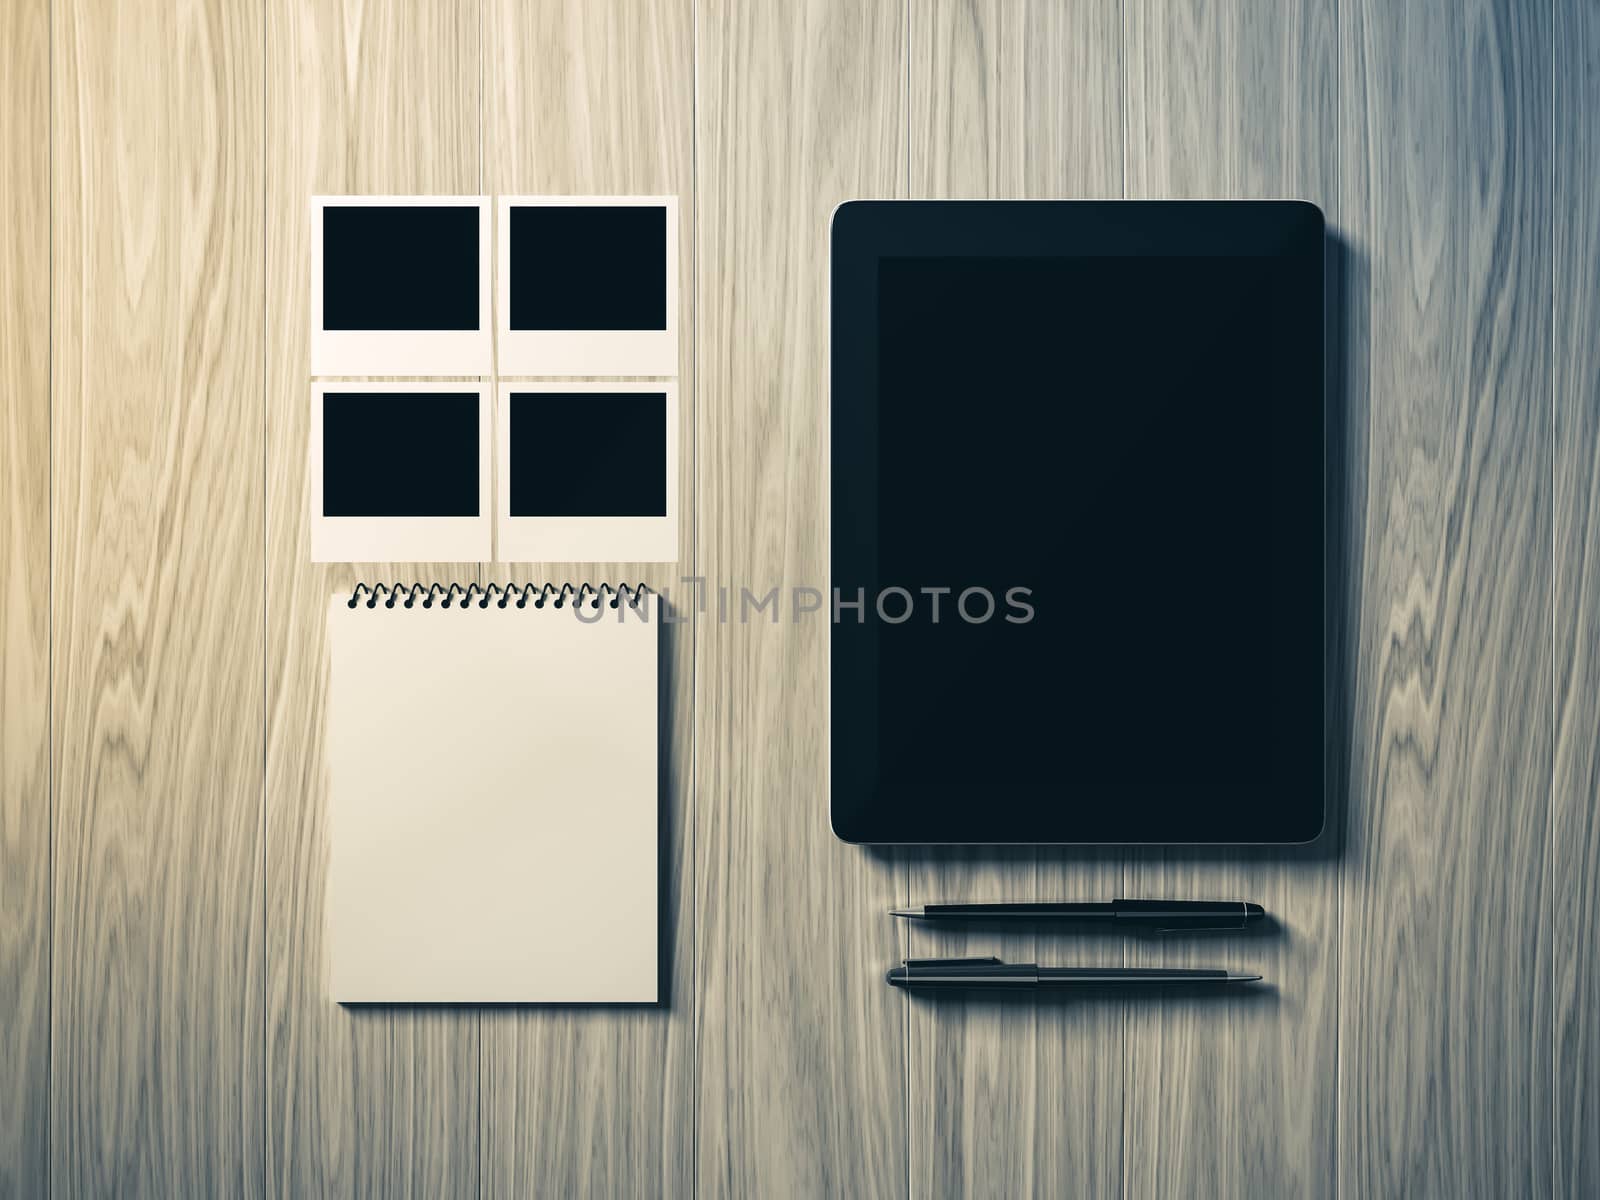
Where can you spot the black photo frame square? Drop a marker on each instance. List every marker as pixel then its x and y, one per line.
pixel 588 285
pixel 400 285
pixel 588 471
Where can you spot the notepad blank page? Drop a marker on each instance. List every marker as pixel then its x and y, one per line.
pixel 493 789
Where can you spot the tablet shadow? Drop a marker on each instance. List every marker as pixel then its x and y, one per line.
pixel 1346 424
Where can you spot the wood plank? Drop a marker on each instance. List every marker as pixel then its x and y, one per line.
pixel 1021 1096
pixel 25 598
pixel 156 361
pixel 1237 101
pixel 1016 99
pixel 801 1069
pixel 1575 437
pixel 364 96
pixel 596 97
pixel 1444 1015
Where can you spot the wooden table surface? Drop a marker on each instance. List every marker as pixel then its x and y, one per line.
pixel 1432 1027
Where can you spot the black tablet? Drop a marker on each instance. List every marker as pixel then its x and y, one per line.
pixel 1077 521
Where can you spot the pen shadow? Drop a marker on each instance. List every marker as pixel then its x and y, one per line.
pixel 1346 422
pixel 1253 997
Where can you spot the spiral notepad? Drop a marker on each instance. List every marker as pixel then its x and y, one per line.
pixel 492 759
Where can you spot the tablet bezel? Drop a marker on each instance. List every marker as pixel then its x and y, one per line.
pixel 866 231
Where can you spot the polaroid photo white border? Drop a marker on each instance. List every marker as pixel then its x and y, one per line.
pixel 401 351
pixel 585 351
pixel 586 539
pixel 401 539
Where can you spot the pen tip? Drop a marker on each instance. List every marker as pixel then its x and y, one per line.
pixel 1237 977
pixel 905 912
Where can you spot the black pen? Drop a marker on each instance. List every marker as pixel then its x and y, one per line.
pixel 1154 914
pixel 992 973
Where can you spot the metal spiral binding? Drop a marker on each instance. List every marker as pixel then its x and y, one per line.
pixel 456 595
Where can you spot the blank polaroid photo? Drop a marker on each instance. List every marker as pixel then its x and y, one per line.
pixel 588 285
pixel 400 285
pixel 588 472
pixel 400 472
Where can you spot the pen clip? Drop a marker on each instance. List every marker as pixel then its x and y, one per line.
pixel 1164 917
pixel 931 963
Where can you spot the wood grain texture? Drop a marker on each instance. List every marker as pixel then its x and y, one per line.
pixel 374 96
pixel 25 598
pixel 1431 1026
pixel 596 97
pixel 1444 1022
pixel 157 1073
pixel 1235 100
pixel 801 1069
pixel 1575 585
pixel 1022 1096
pixel 1016 99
